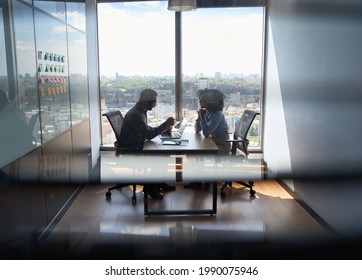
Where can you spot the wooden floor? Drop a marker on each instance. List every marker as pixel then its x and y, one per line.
pixel 270 225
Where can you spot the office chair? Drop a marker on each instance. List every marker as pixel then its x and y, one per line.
pixel 115 118
pixel 241 143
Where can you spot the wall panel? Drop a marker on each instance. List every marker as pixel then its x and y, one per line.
pixel 318 62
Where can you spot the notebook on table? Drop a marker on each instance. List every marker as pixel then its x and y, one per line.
pixel 172 142
pixel 177 134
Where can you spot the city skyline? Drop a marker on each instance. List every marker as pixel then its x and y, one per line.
pixel 217 74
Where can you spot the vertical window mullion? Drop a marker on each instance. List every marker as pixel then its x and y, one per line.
pixel 178 65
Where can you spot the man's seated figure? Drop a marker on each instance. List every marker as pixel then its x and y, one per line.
pixel 135 131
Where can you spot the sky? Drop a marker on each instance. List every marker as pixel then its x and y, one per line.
pixel 138 39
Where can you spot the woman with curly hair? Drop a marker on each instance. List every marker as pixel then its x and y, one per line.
pixel 211 120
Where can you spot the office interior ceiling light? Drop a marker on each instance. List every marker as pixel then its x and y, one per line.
pixel 181 5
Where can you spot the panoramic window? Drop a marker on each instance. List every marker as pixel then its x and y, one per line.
pixel 221 48
pixel 136 50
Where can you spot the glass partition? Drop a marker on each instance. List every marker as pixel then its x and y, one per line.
pixel 55 8
pixel 78 82
pixel 52 59
pixel 19 120
pixel 4 88
pixel 3 61
pixel 26 67
pixel 49 91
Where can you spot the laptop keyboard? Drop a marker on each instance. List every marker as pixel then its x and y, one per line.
pixel 172 135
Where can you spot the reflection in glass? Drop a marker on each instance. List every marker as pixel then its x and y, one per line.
pixel 14 140
pixel 3 65
pixel 55 8
pixel 78 82
pixel 76 14
pixel 53 85
pixel 5 125
pixel 27 95
pixel 139 54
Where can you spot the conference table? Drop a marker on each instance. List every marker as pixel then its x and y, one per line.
pixel 191 145
pixel 194 161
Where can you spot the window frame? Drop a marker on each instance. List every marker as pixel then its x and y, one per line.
pixel 178 52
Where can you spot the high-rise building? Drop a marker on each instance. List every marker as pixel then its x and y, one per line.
pixel 235 98
pixel 218 75
pixel 203 83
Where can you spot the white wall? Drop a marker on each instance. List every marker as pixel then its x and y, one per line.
pixel 313 99
pixel 276 148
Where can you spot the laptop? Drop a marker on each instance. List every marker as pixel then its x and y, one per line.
pixel 177 134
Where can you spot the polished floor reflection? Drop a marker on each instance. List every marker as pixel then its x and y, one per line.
pixel 270 225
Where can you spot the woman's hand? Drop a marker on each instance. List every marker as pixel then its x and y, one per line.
pixel 201 113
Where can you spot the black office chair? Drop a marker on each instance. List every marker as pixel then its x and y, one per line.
pixel 241 143
pixel 115 118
